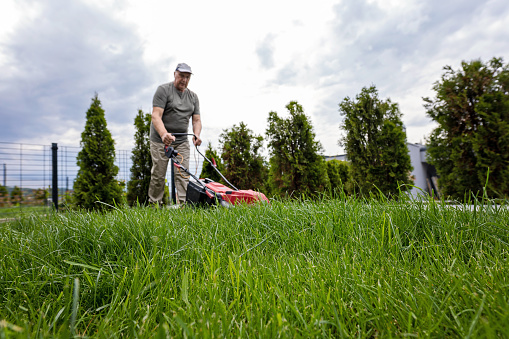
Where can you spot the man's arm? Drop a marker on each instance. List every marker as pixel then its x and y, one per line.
pixel 197 129
pixel 157 120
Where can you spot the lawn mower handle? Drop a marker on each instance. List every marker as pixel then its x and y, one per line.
pixel 210 162
pixel 171 153
pixel 182 134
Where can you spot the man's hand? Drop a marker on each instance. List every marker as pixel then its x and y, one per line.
pixel 168 138
pixel 157 121
pixel 196 140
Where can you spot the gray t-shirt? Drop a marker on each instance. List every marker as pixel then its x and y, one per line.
pixel 178 109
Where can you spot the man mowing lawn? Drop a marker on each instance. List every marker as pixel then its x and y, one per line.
pixel 173 105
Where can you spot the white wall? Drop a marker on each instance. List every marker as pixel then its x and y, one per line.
pixel 419 170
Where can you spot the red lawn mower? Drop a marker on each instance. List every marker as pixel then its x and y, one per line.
pixel 208 192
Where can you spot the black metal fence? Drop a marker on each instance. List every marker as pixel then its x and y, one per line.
pixel 33 176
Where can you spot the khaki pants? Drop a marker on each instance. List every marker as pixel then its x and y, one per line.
pixel 159 168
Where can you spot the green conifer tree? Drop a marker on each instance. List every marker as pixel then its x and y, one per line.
pixel 338 173
pixel 244 165
pixel 96 180
pixel 296 166
pixel 375 144
pixel 137 187
pixel 471 108
pixel 207 171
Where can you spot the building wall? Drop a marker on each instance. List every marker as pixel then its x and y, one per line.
pixel 341 157
pixel 419 171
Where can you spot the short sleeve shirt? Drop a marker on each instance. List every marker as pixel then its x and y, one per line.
pixel 178 108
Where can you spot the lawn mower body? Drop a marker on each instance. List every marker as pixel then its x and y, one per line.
pixel 209 192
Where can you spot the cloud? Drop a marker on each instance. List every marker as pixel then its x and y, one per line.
pixel 56 61
pixel 394 46
pixel 62 52
pixel 287 75
pixel 400 47
pixel 265 52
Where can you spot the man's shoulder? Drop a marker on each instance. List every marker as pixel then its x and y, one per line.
pixel 166 86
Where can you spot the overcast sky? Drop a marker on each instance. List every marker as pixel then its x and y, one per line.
pixel 248 58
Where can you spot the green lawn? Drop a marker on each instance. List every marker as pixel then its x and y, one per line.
pixel 17 211
pixel 332 268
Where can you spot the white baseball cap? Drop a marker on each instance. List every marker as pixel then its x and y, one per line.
pixel 185 68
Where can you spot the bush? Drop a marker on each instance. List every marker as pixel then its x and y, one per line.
pixel 338 173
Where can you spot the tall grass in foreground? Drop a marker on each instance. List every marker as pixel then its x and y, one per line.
pixel 329 268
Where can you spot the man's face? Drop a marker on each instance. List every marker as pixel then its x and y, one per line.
pixel 181 80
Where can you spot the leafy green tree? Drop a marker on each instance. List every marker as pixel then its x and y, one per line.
pixel 296 166
pixel 207 170
pixel 41 195
pixel 375 144
pixel 4 196
pixel 137 187
pixel 16 195
pixel 338 173
pixel 244 165
pixel 96 175
pixel 471 108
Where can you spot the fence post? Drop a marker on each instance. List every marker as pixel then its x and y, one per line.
pixel 54 175
pixel 5 175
